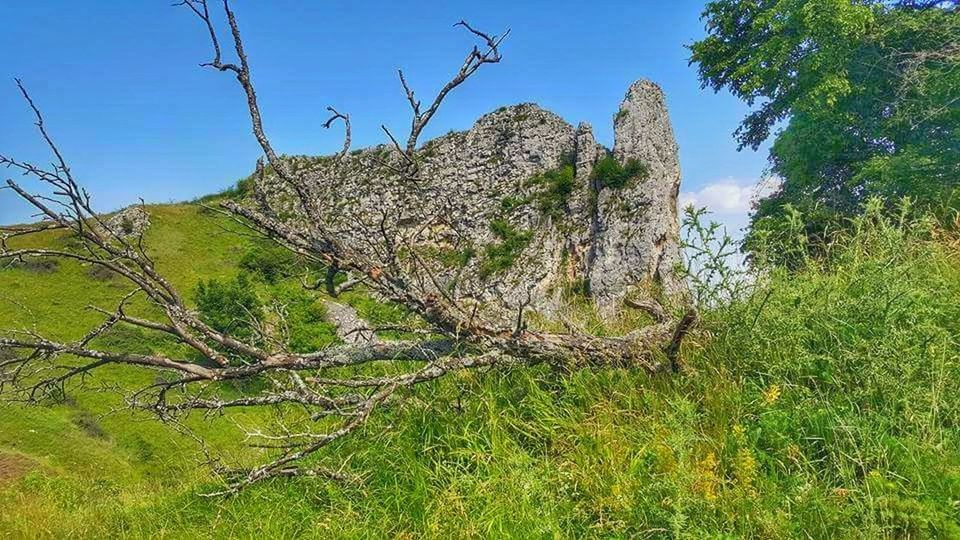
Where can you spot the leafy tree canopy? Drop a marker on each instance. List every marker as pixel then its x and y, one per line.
pixel 862 98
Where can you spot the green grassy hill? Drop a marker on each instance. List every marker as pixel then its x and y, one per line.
pixel 822 404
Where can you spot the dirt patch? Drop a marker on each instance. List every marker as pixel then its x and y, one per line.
pixel 89 424
pixel 100 273
pixel 38 265
pixel 14 467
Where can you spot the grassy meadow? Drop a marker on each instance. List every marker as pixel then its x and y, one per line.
pixel 821 403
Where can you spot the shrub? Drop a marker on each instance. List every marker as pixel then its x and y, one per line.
pixel 501 256
pixel 608 173
pixel 558 185
pixel 270 262
pixel 304 316
pixel 126 225
pixel 229 306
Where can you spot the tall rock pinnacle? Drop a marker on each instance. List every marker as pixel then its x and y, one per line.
pixel 637 238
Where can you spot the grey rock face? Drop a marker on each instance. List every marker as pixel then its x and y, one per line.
pixel 132 221
pixel 637 237
pixel 351 328
pixel 493 230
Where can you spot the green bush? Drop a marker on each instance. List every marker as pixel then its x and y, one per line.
pixel 608 173
pixel 501 256
pixel 271 262
pixel 229 306
pixel 557 185
pixel 304 317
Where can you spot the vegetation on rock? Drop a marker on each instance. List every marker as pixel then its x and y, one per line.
pixel 609 173
pixel 500 256
pixel 556 186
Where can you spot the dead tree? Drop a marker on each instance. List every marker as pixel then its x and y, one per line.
pixel 328 384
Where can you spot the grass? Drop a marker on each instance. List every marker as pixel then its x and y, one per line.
pixel 556 187
pixel 821 404
pixel 502 255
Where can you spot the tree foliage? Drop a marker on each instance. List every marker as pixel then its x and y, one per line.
pixel 862 98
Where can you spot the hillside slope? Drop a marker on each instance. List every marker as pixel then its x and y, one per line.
pixel 822 404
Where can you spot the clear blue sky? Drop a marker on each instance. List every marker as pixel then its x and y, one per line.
pixel 122 92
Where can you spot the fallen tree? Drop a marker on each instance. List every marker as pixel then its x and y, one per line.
pixel 330 385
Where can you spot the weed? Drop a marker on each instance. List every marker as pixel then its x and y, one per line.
pixel 556 187
pixel 502 255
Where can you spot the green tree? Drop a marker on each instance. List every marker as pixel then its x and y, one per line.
pixel 861 97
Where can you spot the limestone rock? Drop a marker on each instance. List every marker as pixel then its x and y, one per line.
pixel 132 221
pixel 507 214
pixel 637 237
pixel 351 328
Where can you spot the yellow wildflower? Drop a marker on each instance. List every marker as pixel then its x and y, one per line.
pixel 708 481
pixel 771 394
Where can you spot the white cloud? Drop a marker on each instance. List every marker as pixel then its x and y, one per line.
pixel 729 201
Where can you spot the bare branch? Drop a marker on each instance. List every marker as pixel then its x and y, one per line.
pixel 490 54
pixel 346 127
pixel 332 393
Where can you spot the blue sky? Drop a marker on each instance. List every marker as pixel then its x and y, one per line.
pixel 123 95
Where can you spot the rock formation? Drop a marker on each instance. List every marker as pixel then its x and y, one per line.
pixel 512 212
pixel 351 328
pixel 637 228
pixel 132 221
